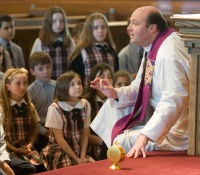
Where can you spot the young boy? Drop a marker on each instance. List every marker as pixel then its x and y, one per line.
pixel 7 33
pixel 41 92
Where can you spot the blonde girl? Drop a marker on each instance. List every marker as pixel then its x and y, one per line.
pixel 94 47
pixel 19 117
pixel 54 39
pixel 68 119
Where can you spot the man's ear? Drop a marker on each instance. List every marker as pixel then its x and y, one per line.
pixel 153 27
pixel 32 71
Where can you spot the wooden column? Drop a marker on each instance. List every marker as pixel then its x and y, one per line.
pixel 189 29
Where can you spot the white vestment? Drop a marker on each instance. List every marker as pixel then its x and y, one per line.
pixel 169 97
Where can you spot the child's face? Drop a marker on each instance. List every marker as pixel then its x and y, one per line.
pixel 57 23
pixel 7 31
pixel 18 87
pixel 75 88
pixel 42 72
pixel 106 74
pixel 121 82
pixel 99 30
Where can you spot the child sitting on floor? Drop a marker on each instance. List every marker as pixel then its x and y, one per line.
pixel 41 92
pixel 68 119
pixel 19 118
pixel 97 147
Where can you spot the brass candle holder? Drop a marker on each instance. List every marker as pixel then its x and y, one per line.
pixel 116 154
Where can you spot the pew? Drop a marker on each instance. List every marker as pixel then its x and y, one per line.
pixel 28 16
pixel 82 7
pixel 38 21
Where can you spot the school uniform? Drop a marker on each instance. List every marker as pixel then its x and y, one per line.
pixel 17 53
pixel 6 62
pixel 168 126
pixel 17 165
pixel 41 95
pixel 58 53
pixel 18 135
pixel 91 56
pixel 98 152
pixel 97 106
pixel 72 120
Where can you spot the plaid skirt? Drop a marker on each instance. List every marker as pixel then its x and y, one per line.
pixel 54 157
pixel 34 158
pixel 94 151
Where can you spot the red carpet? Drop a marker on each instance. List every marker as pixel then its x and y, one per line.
pixel 156 163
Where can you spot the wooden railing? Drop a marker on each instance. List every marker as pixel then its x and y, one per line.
pixel 28 15
pixel 84 7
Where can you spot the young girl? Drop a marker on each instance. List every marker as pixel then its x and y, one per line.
pixel 68 119
pixel 122 78
pixel 19 118
pixel 97 149
pixel 54 39
pixel 94 47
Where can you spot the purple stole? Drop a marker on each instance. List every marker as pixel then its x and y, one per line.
pixel 138 114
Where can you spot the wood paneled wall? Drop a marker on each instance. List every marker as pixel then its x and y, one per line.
pixel 25 36
pixel 124 8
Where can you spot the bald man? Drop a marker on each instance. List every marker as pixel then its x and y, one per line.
pixel 167 128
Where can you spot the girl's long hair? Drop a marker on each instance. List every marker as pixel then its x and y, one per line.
pixel 90 93
pixel 61 92
pixel 87 39
pixel 5 97
pixel 47 35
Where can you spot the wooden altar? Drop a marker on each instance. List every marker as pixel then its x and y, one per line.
pixel 189 29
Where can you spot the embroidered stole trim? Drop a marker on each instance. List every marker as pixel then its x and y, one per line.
pixel 139 110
